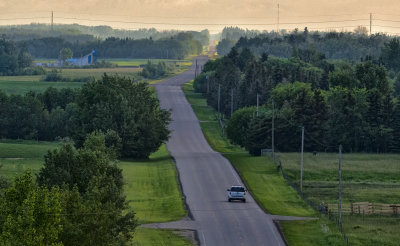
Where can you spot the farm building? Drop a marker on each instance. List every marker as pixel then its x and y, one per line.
pixel 86 60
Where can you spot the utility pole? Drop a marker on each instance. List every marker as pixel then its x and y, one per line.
pixel 277 29
pixel 195 73
pixel 257 103
pixel 231 102
pixel 370 23
pixel 302 158
pixel 208 84
pixel 52 20
pixel 340 185
pixel 273 130
pixel 219 99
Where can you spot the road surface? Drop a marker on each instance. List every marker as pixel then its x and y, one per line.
pixel 205 175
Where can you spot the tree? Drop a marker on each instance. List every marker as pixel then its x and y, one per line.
pixel 391 54
pixel 395 146
pixel 92 193
pixel 30 215
pixel 116 103
pixel 66 53
pixel 238 125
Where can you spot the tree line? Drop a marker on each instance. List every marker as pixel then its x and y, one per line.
pixel 175 47
pixel 80 33
pixel 113 103
pixel 342 102
pixel 16 60
pixel 334 45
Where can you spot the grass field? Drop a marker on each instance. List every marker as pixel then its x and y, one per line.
pixel 371 178
pixel 152 189
pixel 22 87
pixel 140 62
pixel 23 84
pixel 151 186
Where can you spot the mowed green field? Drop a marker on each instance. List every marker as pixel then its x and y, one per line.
pixel 151 186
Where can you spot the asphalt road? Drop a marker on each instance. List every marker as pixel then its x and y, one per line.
pixel 205 175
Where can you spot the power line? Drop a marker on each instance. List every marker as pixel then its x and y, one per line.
pixel 24 18
pixel 211 24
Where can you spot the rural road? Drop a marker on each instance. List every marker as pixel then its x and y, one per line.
pixel 205 175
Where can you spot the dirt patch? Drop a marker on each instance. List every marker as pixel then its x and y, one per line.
pixel 191 235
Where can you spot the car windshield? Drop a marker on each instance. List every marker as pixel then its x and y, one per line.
pixel 237 189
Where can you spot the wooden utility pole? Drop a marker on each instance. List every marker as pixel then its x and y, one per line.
pixel 208 84
pixel 302 157
pixel 231 102
pixel 257 103
pixel 340 185
pixel 219 99
pixel 277 29
pixel 52 20
pixel 273 130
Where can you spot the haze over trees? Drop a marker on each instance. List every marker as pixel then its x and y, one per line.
pixel 334 45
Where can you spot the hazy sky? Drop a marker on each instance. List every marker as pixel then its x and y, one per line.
pixel 178 14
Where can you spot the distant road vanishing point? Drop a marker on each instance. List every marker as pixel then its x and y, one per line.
pixel 205 175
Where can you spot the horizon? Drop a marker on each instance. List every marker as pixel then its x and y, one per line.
pixel 198 15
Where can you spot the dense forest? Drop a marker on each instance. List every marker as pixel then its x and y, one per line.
pixel 334 45
pixel 339 102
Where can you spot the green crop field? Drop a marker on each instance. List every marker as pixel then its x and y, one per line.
pixel 140 62
pixel 97 73
pixel 151 186
pixel 23 84
pixel 15 86
pixel 366 177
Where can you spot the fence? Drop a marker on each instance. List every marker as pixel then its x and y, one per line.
pixel 367 208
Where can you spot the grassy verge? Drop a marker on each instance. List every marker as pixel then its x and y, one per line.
pixel 311 232
pixel 152 189
pixel 150 237
pixel 151 186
